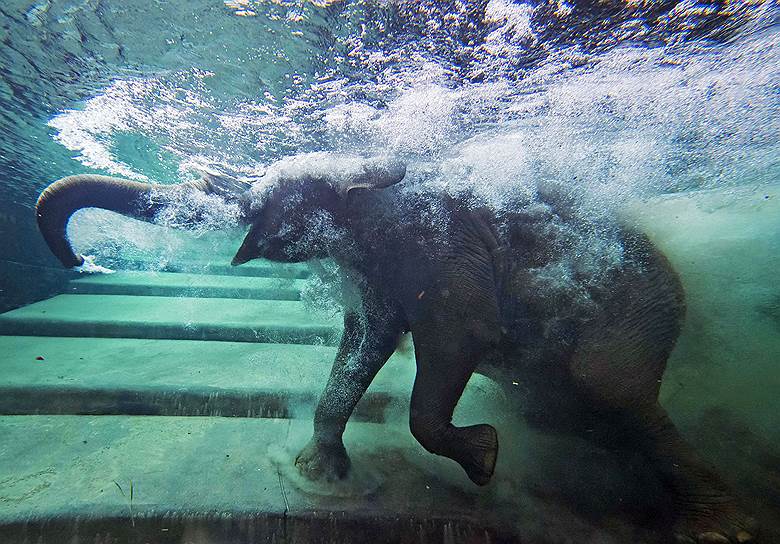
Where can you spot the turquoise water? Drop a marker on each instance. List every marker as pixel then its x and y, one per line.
pixel 662 114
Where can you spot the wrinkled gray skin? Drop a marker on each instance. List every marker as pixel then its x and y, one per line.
pixel 460 285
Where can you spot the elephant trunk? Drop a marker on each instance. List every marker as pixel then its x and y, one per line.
pixel 60 200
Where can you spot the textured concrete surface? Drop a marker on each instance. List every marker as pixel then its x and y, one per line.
pixel 123 316
pixel 147 474
pixel 169 284
pixel 179 377
pixel 205 480
pixel 219 266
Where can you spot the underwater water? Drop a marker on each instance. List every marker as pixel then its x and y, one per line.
pixel 167 402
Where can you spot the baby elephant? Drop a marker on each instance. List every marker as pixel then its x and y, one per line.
pixel 477 288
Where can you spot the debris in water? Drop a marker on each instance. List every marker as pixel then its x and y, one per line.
pixel 39 358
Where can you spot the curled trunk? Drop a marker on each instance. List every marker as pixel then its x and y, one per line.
pixel 60 200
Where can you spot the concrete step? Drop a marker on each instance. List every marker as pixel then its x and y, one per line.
pixel 177 318
pixel 257 268
pixel 53 375
pixel 168 479
pixel 168 284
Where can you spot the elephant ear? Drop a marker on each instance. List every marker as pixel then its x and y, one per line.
pixel 231 189
pixel 342 172
pixel 372 173
pixel 217 183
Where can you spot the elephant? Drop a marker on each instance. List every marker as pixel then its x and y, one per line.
pixel 463 278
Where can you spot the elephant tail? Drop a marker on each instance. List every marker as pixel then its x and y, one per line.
pixel 60 200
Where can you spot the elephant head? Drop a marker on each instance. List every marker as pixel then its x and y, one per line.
pixel 301 202
pixel 282 207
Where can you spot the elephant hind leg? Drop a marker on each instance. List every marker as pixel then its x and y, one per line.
pixel 441 378
pixel 479 457
pixel 617 370
pixel 475 448
pixel 704 509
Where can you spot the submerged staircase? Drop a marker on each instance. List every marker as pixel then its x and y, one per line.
pixel 109 431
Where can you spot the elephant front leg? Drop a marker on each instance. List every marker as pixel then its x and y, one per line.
pixel 442 375
pixel 367 343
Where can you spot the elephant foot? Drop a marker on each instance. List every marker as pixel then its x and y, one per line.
pixel 323 461
pixel 715 523
pixel 479 445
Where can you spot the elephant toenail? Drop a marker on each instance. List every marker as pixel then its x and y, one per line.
pixel 744 536
pixel 712 538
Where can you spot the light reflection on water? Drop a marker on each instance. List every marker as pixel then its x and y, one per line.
pixel 626 93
